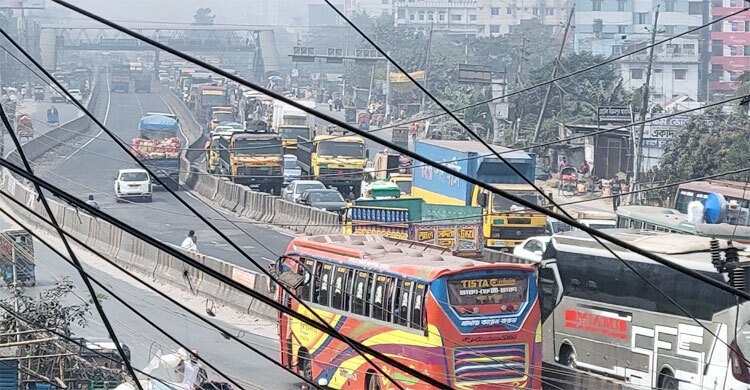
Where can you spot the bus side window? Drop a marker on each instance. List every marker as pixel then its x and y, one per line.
pixel 359 291
pixel 337 288
pixel 380 309
pixel 417 316
pixel 368 293
pixel 403 302
pixel 348 289
pixel 389 294
pixel 303 292
pixel 325 285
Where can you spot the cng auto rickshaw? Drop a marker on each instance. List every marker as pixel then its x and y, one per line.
pixel 38 94
pixel 53 117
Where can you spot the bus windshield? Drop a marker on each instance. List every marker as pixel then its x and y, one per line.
pixel 250 147
pixel 482 295
pixel 341 149
pixel 294 132
pixel 501 204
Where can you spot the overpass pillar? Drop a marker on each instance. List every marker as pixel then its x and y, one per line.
pixel 48 47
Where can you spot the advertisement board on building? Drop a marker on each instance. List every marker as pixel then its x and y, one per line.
pixel 659 131
pixel 614 115
pixel 22 4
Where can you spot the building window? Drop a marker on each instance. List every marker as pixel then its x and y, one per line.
pixel 747 50
pixel 535 11
pixel 549 11
pixel 401 13
pixel 622 29
pixel 688 48
pixel 717 48
pixel 621 4
pixel 480 30
pixel 430 16
pixel 747 25
pixel 494 29
pixel 735 3
pixel 718 26
pixel 669 30
pixel 641 17
pixel 736 50
pixel 511 29
pixel 385 2
pixel 695 8
pixel 717 3
pixel 472 18
pixel 737 26
pixel 509 10
pixel 669 5
pixel 596 5
pixel 680 74
pixel 636 74
pixel 441 17
pixel 733 76
pixel 421 16
pixel 494 11
pixel 456 18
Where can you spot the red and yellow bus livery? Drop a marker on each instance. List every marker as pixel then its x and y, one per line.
pixel 470 324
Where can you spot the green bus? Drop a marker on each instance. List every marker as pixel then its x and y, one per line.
pixel 663 219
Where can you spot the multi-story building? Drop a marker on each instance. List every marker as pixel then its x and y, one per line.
pixel 730 46
pixel 675 70
pixel 373 8
pixel 498 17
pixel 448 17
pixel 601 25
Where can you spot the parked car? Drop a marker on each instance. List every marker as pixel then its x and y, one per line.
pixel 293 191
pixel 133 184
pixel 292 171
pixel 76 94
pixel 329 200
pixel 532 248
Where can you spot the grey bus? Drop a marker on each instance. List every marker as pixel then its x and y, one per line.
pixel 599 316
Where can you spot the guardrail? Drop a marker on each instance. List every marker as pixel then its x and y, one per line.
pixel 239 199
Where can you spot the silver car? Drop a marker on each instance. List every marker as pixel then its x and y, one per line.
pixel 295 189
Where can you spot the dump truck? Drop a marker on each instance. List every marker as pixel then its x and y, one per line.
pixel 336 161
pixel 291 122
pixel 505 224
pixel 159 147
pixel 254 159
pixel 119 77
pixel 457 228
pixel 17 248
pixel 209 96
pixel 142 82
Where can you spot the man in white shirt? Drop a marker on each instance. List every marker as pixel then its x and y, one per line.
pixel 188 243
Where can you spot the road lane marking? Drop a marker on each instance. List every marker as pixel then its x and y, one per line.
pixel 106 116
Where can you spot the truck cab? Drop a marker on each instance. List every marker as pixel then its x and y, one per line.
pixel 289 134
pixel 220 115
pixel 217 145
pixel 506 223
pixel 256 160
pixel 337 161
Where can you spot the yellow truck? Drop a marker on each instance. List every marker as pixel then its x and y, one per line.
pixel 336 161
pixel 255 160
pixel 219 115
pixel 505 224
pixel 217 144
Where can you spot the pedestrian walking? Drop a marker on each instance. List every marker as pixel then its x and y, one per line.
pixel 616 186
pixel 91 202
pixel 189 243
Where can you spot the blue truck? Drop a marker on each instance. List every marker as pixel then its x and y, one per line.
pixel 159 147
pixel 505 224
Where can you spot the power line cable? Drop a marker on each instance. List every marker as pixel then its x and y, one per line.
pixel 73 257
pixel 355 346
pixel 407 152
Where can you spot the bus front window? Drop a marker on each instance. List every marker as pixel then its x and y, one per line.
pixel 487 295
pixel 501 204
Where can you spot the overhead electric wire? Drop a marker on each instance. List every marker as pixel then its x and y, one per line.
pixel 528 181
pixel 357 347
pixel 42 197
pixel 469 179
pixel 142 282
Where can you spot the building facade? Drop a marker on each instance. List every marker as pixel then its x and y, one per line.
pixel 498 17
pixel 730 46
pixel 373 8
pixel 448 17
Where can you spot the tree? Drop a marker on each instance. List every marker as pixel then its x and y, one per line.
pixel 711 143
pixel 50 311
pixel 203 17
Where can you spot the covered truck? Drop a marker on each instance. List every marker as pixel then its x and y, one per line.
pixel 119 77
pixel 505 224
pixel 254 159
pixel 457 228
pixel 159 147
pixel 142 81
pixel 336 161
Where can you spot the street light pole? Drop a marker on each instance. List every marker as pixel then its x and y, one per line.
pixel 644 106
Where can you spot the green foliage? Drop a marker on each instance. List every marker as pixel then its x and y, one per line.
pixel 710 143
pixel 203 17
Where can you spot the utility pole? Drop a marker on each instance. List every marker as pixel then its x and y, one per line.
pixel 427 65
pixel 644 107
pixel 554 74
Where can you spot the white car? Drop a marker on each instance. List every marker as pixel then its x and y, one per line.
pixel 76 93
pixel 294 190
pixel 532 248
pixel 133 184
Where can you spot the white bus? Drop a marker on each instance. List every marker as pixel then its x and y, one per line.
pixel 599 316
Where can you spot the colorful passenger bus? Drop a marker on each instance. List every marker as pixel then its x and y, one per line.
pixel 672 221
pixel 612 322
pixel 738 192
pixel 470 324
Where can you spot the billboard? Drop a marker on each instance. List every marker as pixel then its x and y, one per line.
pixel 24 4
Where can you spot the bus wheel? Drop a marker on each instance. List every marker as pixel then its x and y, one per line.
pixel 567 356
pixel 304 366
pixel 373 381
pixel 667 381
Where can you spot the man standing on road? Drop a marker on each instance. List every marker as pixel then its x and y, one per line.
pixel 188 243
pixel 616 186
pixel 91 202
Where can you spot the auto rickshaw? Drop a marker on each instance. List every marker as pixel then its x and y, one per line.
pixel 53 117
pixel 24 126
pixel 38 94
